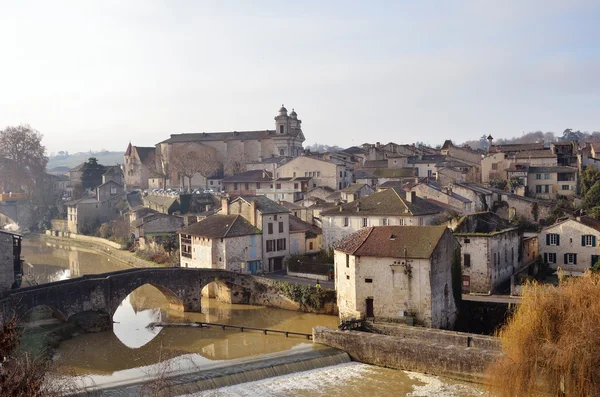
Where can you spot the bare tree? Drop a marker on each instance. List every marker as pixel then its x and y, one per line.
pixel 160 168
pixel 236 164
pixel 24 158
pixel 208 166
pixel 186 165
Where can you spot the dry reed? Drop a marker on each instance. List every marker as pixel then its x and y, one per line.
pixel 551 345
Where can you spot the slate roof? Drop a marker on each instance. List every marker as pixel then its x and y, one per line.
pixel 161 223
pixel 221 226
pixel 353 188
pixel 534 154
pixel 482 223
pixel 590 222
pixel 394 172
pixel 291 206
pixel 392 241
pixel 354 150
pixel 555 169
pixel 298 225
pixel 391 202
pixel 426 159
pixel 375 164
pixel 163 201
pixel 112 170
pixel 134 200
pixel 265 205
pixel 144 152
pixel 517 147
pixel 250 176
pixel 220 136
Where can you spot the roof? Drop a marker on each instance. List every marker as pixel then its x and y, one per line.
pixel 290 206
pixel 482 223
pixel 427 159
pixel 143 152
pixel 390 202
pixel 517 147
pixel 354 150
pixel 392 241
pixel 555 169
pixel 112 170
pixel 251 176
pixel 525 154
pixel 84 200
pixel 298 225
pixel 473 187
pixel 77 168
pixel 590 222
pixel 326 188
pixel 375 164
pixel 219 136
pixel 390 184
pixel 221 226
pixel 394 172
pixel 265 205
pixel 134 199
pixel 163 201
pixel 353 188
pixel 161 223
pixel 110 182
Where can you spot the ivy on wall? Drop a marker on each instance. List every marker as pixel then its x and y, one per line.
pixel 305 295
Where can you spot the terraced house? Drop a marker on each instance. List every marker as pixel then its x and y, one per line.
pixel 390 207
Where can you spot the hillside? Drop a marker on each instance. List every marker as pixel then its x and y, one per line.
pixel 72 160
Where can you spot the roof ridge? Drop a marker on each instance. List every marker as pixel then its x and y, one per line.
pixel 371 228
pixel 230 226
pixel 402 200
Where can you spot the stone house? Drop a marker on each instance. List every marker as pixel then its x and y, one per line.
pixel 11 265
pixel 481 197
pixel 76 174
pixel 139 166
pixel 108 189
pixel 393 273
pixel 86 212
pixel 425 165
pixel 320 192
pixel 323 173
pixel 571 245
pixel 227 242
pixel 375 177
pixel 286 189
pixel 165 204
pixel 156 227
pixel 461 153
pixel 298 211
pixel 271 219
pixel 495 165
pixel 490 252
pixel 508 205
pixel 590 155
pixel 305 238
pixel 444 196
pixel 113 173
pixel 246 183
pixel 355 191
pixel 546 182
pixel 391 207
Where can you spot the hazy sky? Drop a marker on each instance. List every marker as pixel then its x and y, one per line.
pixel 97 74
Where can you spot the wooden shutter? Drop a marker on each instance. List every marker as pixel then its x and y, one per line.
pixel 574 259
pixel 545 257
pixel 547 238
pixel 583 240
pixel 558 239
pixel 566 259
pixel 593 241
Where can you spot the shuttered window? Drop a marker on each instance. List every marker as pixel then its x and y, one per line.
pixel 588 240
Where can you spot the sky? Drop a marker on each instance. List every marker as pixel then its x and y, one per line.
pixel 93 75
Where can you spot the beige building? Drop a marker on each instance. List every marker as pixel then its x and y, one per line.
pixel 84 213
pixel 305 238
pixel 323 173
pixel 355 191
pixel 547 182
pixel 391 207
pixel 495 165
pixel 571 245
pixel 273 221
pixel 395 273
pixel 138 164
pixel 226 242
pixel 490 252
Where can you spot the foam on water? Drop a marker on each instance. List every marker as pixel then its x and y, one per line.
pixel 351 379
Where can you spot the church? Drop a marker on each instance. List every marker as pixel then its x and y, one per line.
pixel 231 150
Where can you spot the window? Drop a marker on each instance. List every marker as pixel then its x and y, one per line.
pixel 341 174
pixel 280 227
pixel 588 240
pixel 570 259
pixel 270 245
pixel 365 222
pixel 467 240
pixel 294 174
pixel 295 186
pixel 347 277
pixel 281 130
pixel 552 239
pixel 281 152
pixel 346 222
pixel 310 246
pixel 420 221
pixel 467 260
pixel 547 176
pixel 368 280
pixel 401 221
pixel 384 222
pixel 281 244
pixel 278 186
pixel 551 257
pixel 318 173
pixel 305 173
pixel 113 190
pixel 275 217
pixel 235 187
pixel 538 176
pixel 564 187
pixel 495 166
pixel 270 228
pixel 347 260
pixel 213 182
pixel 258 185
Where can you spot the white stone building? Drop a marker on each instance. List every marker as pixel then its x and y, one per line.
pixel 226 242
pixel 394 272
pixel 571 245
pixel 323 173
pixel 490 252
pixel 391 207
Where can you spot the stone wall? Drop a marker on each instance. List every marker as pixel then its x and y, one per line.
pixel 438 354
pixel 7 272
pixel 61 225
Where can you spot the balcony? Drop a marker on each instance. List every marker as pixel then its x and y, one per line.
pixel 186 255
pixel 186 241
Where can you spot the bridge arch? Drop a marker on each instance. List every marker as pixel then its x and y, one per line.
pixel 172 297
pixel 27 316
pixel 227 292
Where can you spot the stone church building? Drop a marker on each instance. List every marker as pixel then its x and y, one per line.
pixel 225 148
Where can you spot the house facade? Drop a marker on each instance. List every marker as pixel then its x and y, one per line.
pixel 305 238
pixel 391 207
pixel 571 245
pixel 391 273
pixel 547 182
pixel 490 252
pixel 323 173
pixel 226 242
pixel 138 164
pixel 11 265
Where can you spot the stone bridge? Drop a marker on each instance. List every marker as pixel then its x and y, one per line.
pixel 105 292
pixel 16 212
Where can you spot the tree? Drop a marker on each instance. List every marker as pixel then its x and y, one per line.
pixel 588 178
pixel 236 164
pixel 208 166
pixel 92 173
pixel 592 197
pixel 23 158
pixel 187 165
pixel 160 168
pixel 551 344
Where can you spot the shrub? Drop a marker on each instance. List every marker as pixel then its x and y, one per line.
pixel 551 345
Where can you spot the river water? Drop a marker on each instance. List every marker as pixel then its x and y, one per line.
pixel 132 351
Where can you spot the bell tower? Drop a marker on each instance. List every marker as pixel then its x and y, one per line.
pixel 282 122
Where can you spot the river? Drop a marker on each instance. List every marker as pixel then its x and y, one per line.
pixel 133 351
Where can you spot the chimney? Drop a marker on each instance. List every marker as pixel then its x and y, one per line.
pixel 490 139
pixel 410 196
pixel 224 206
pixel 253 216
pixel 377 144
pixel 358 207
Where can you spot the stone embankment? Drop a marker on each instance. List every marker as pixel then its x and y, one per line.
pixel 455 355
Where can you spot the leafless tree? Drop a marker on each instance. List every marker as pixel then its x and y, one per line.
pixel 23 158
pixel 160 167
pixel 236 164
pixel 188 164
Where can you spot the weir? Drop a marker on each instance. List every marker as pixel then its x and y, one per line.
pixel 229 373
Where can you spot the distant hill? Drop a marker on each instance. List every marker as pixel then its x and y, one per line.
pixel 64 159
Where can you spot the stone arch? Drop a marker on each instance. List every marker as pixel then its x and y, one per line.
pixel 56 313
pixel 227 291
pixel 172 297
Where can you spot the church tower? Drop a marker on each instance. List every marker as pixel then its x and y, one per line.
pixel 288 133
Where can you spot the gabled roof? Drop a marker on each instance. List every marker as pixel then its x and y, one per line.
pixel 221 226
pixel 375 164
pixel 390 202
pixel 144 152
pixel 298 225
pixel 517 147
pixel 77 168
pixel 291 206
pixel 526 154
pixel 353 188
pixel 416 242
pixel 109 182
pixel 113 170
pixel 590 222
pixel 264 204
pixel 250 176
pixel 161 223
pixel 394 172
